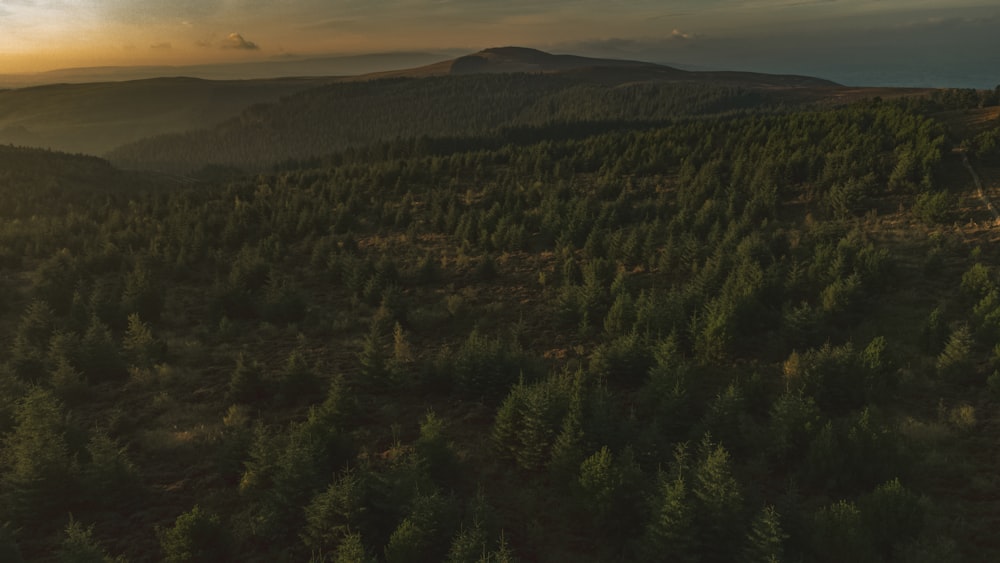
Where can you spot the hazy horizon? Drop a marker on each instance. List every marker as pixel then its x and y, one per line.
pixel 854 42
pixel 920 74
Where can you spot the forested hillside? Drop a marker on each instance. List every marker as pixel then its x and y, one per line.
pixel 355 114
pixel 750 336
pixel 97 117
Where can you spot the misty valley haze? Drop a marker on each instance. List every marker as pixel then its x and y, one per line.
pixel 850 67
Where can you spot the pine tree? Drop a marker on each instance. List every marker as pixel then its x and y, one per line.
pixel 352 550
pixel 312 450
pixel 567 449
pixel 599 483
pixel 878 367
pixel 141 349
pixel 99 357
pixel 671 535
pixel 402 355
pixel 110 475
pixel 67 382
pixel 719 502
pixel 934 333
pixel 434 450
pixel 621 316
pixel 79 546
pixel 955 360
pixel 372 355
pixel 297 381
pixel 427 270
pixel 407 543
pixel 726 416
pixel 39 470
pixel 507 421
pixel 502 554
pixel 12 389
pixel 765 541
pixel 839 534
pixel 79 312
pixel 422 535
pixel 246 384
pixel 795 419
pixel 283 302
pixel 333 513
pixel 467 546
pixel 197 536
pixel 537 430
pixel 143 294
pixel 31 341
pixel 892 515
pixel 470 543
pixel 486 368
pixel 56 279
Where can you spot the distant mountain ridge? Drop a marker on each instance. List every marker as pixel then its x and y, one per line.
pixel 527 60
pixel 286 66
pixel 473 95
pixel 512 59
pixel 270 120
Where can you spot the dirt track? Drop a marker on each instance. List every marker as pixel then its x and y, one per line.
pixel 979 187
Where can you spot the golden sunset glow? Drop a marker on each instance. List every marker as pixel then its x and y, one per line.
pixel 40 35
pixel 499 281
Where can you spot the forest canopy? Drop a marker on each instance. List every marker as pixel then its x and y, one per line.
pixel 641 323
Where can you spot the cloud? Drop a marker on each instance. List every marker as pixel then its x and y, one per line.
pixel 236 41
pixel 161 46
pixel 678 34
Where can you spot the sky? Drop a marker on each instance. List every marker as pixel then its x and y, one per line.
pixel 951 41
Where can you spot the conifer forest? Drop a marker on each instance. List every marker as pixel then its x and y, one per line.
pixel 510 317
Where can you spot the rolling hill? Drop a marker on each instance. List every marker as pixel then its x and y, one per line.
pixel 279 66
pixel 522 59
pixel 96 117
pixel 778 327
pixel 183 123
pixel 477 94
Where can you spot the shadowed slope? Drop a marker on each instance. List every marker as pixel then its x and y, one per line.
pixel 93 118
pixel 476 94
